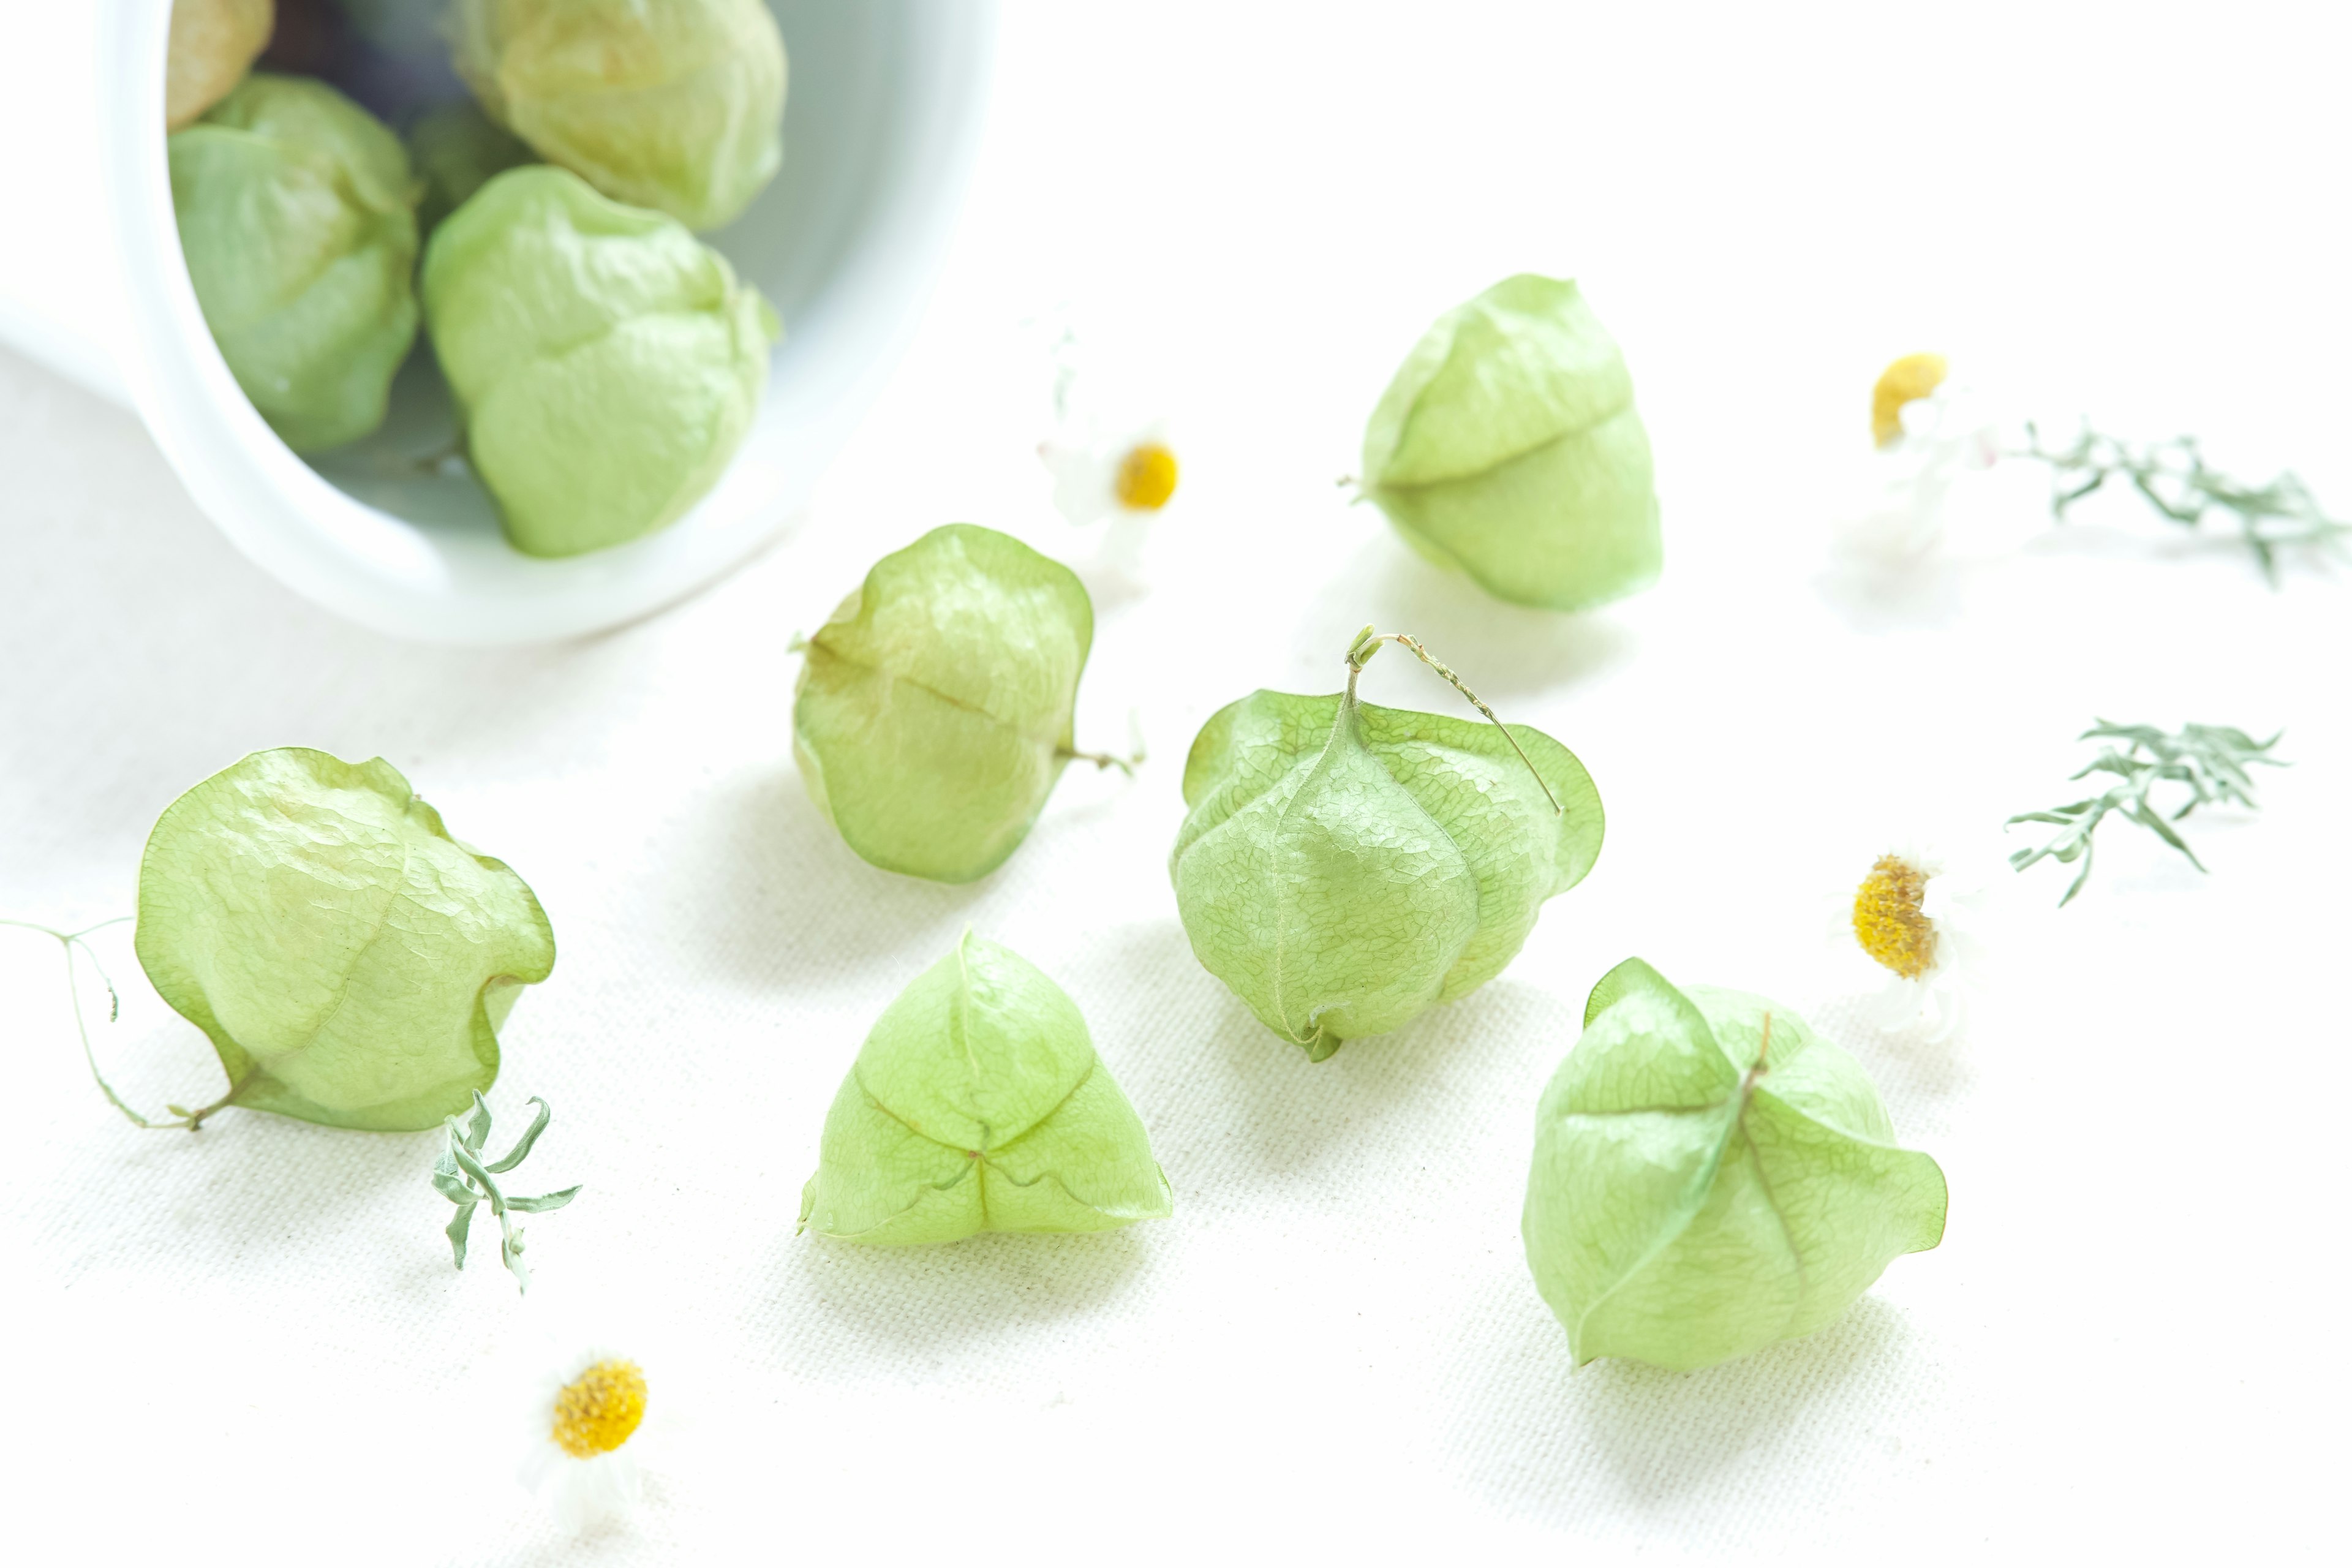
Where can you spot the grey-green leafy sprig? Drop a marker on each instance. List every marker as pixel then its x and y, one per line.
pixel 463 1177
pixel 2173 478
pixel 2209 760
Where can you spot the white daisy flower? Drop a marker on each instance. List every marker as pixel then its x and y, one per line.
pixel 585 1430
pixel 1125 471
pixel 1928 432
pixel 1128 469
pixel 1110 457
pixel 1917 923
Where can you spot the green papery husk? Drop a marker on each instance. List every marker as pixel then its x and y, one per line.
pixel 212 43
pixel 297 212
pixel 606 362
pixel 934 711
pixel 1344 866
pixel 978 1102
pixel 678 107
pixel 1508 447
pixel 1687 1205
pixel 351 962
pixel 457 150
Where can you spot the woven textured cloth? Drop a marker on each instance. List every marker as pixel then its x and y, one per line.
pixel 249 1344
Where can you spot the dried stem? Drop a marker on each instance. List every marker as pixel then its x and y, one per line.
pixel 1749 1079
pixel 1105 759
pixel 431 462
pixel 1127 764
pixel 68 941
pixel 1368 643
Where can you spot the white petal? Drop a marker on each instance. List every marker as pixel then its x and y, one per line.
pixel 589 1493
pixel 1085 456
pixel 539 1462
pixel 1086 481
pixel 1900 515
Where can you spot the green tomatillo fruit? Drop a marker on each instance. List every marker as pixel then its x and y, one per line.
pixel 298 216
pixel 351 962
pixel 978 1103
pixel 679 106
pixel 212 43
pixel 934 713
pixel 605 361
pixel 1508 447
pixel 457 150
pixel 1345 866
pixel 1711 1177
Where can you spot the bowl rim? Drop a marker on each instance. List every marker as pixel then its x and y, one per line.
pixel 383 572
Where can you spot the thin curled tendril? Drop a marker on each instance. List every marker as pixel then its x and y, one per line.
pixel 69 941
pixel 1368 643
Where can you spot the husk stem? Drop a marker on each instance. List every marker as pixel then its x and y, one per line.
pixel 1368 643
pixel 68 941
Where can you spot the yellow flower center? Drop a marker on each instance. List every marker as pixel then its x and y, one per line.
pixel 598 1410
pixel 1908 380
pixel 1147 477
pixel 1890 916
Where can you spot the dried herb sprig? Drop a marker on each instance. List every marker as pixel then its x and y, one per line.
pixel 2208 760
pixel 463 1177
pixel 2173 478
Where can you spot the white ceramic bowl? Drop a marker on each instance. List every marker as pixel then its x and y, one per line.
pixel 881 124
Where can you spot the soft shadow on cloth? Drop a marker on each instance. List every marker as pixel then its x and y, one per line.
pixel 931 1301
pixel 2132 534
pixel 250 1194
pixel 249 1187
pixel 1551 1443
pixel 1500 649
pixel 772 892
pixel 1236 1111
pixel 1876 598
pixel 1908 1065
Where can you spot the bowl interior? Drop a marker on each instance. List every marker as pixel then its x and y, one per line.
pixel 881 115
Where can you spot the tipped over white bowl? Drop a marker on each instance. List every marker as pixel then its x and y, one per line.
pixel 881 124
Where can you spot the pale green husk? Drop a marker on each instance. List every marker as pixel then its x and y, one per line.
pixel 1507 446
pixel 212 43
pixel 296 213
pixel 979 1103
pixel 678 106
pixel 606 362
pixel 457 150
pixel 1345 866
pixel 1689 1204
pixel 350 960
pixel 933 713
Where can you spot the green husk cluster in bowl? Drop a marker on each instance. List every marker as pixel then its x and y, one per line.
pixel 605 364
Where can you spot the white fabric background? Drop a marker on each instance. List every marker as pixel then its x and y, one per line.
pixel 248 1344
